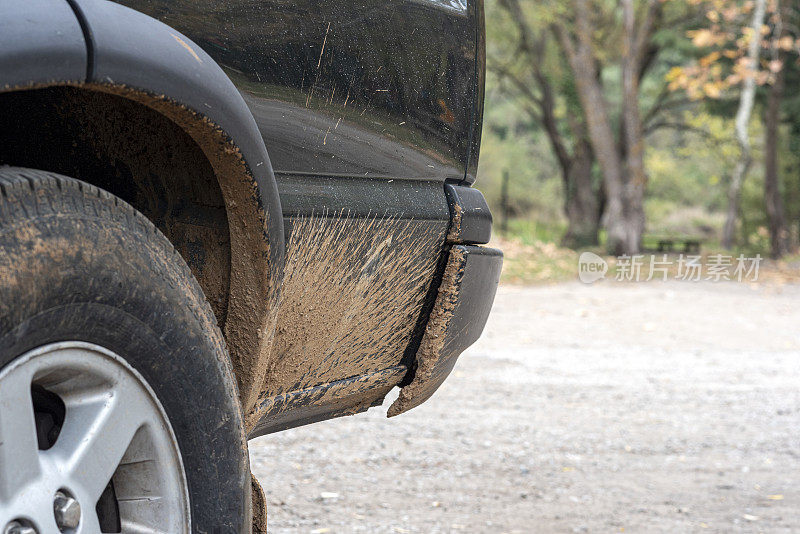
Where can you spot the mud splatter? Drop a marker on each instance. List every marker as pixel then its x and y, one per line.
pixel 356 388
pixel 457 216
pixel 352 293
pixel 432 345
pixel 259 506
pixel 253 281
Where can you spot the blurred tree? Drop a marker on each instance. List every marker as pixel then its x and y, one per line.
pixel 545 97
pixel 590 121
pixel 746 101
pixel 780 244
pixel 746 45
pixel 598 111
pixel 599 80
pixel 790 150
pixel 620 159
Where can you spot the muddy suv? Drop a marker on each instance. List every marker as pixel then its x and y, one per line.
pixel 221 219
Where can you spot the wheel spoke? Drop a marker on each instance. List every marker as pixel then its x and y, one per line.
pixel 113 426
pixel 96 434
pixel 90 523
pixel 19 448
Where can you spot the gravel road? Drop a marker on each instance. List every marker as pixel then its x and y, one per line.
pixel 617 407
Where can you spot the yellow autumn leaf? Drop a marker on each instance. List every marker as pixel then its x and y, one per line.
pixel 674 73
pixel 712 90
pixel 709 59
pixel 775 65
pixel 786 43
pixel 702 38
pixel 733 79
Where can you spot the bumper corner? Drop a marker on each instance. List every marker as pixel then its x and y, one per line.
pixel 459 315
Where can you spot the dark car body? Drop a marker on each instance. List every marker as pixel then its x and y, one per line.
pixel 364 88
pixel 328 210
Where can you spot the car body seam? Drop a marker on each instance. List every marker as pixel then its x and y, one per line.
pixel 87 37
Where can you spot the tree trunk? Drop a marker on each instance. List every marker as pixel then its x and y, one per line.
pixel 581 58
pixel 743 115
pixel 504 207
pixel 734 191
pixel 581 204
pixel 577 162
pixel 776 218
pixel 636 176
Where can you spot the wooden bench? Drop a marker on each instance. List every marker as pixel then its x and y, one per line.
pixel 687 245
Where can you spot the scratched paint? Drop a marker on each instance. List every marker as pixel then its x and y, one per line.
pixel 376 63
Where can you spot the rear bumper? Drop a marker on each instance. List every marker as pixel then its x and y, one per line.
pixel 459 315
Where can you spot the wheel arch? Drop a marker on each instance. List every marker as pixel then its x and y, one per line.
pixel 41 42
pixel 126 56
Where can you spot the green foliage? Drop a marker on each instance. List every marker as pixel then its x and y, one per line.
pixel 511 144
pixel 690 153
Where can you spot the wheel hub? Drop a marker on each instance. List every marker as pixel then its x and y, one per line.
pixel 114 434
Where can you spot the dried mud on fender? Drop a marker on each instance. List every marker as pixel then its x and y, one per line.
pixel 352 294
pixel 432 345
pixel 252 304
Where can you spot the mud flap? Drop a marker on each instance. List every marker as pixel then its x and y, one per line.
pixel 459 315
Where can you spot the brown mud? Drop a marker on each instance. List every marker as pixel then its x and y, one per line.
pixel 352 294
pixel 252 309
pixel 432 345
pixel 170 154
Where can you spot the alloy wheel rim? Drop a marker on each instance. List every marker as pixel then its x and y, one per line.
pixel 115 434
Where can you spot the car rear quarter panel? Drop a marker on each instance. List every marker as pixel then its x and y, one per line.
pixel 371 88
pixel 366 108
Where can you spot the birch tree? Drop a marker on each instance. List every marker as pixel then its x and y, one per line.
pixel 743 115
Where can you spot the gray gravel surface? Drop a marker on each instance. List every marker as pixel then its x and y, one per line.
pixel 638 408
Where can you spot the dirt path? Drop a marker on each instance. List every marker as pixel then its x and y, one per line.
pixel 649 407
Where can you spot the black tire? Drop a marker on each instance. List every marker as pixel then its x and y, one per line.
pixel 77 263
